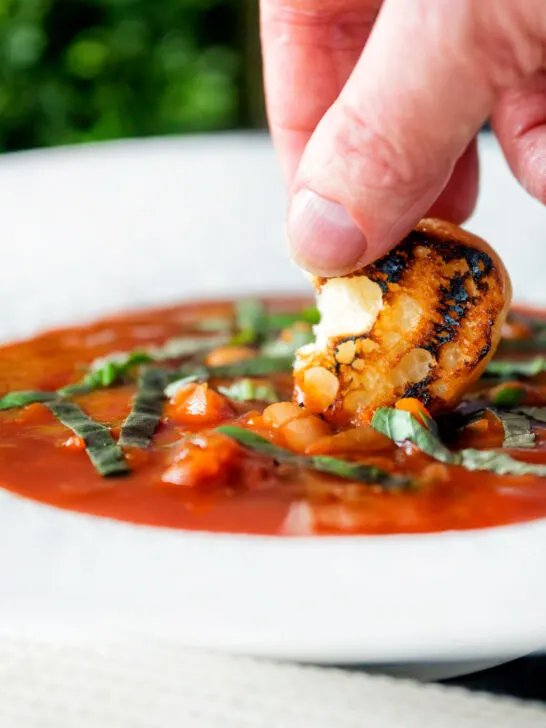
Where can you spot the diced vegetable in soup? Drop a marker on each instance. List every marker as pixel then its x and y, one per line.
pixel 417 404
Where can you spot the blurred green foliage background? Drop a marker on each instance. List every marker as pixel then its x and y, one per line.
pixel 85 70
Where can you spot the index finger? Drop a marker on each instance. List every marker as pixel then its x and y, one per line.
pixel 309 48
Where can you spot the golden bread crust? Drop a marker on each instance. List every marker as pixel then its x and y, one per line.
pixel 439 300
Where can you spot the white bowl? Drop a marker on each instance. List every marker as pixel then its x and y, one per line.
pixel 90 230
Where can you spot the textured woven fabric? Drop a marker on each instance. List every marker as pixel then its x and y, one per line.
pixel 154 685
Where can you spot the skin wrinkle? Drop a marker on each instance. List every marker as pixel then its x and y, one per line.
pixel 531 163
pixel 523 109
pixel 391 167
pixel 380 177
pixel 520 124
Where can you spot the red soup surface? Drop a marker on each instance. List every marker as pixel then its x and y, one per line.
pixel 192 478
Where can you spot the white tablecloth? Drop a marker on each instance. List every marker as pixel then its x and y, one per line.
pixel 155 685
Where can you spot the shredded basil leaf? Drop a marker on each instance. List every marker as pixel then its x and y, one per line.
pixel 509 368
pixel 247 389
pixel 108 370
pixel 517 429
pixel 185 346
pixel 342 468
pixel 214 324
pixel 258 367
pixel 508 395
pixel 535 413
pixel 393 423
pixel 179 384
pixel 399 425
pixel 143 420
pixel 101 448
pixel 280 321
pixel 22 398
pixel 255 325
pixel 83 387
pixel 250 322
pixel 280 347
pixel 499 463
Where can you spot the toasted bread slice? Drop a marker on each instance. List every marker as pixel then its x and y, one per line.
pixel 423 321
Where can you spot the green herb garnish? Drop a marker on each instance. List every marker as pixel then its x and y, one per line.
pixel 498 462
pixel 535 413
pixel 25 397
pixel 143 420
pixel 250 322
pixel 247 389
pixel 214 323
pixel 114 368
pixel 281 321
pixel 510 368
pixel 178 384
pixel 185 346
pixel 255 325
pixel 342 468
pixel 508 395
pixel 280 347
pixel 517 429
pixel 101 448
pixel 258 367
pixel 107 371
pixel 399 425
pixel 394 424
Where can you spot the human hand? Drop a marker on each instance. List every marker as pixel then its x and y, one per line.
pixel 374 108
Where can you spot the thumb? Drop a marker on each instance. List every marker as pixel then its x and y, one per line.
pixel 428 78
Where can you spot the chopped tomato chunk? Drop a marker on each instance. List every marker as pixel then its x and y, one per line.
pixel 200 405
pixel 355 440
pixel 204 458
pixel 228 355
pixel 32 414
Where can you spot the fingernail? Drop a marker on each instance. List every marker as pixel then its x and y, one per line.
pixel 323 237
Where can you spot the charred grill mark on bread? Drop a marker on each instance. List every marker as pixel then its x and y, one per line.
pixel 422 321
